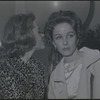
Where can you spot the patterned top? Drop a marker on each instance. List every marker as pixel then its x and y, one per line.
pixel 22 80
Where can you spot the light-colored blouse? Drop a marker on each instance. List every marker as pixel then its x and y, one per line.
pixel 72 75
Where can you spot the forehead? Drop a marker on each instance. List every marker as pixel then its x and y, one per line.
pixel 63 28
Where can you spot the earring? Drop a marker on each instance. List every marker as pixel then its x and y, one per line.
pixel 55 48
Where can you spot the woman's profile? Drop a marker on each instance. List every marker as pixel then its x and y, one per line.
pixel 21 75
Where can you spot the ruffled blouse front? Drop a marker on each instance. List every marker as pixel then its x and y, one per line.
pixel 72 77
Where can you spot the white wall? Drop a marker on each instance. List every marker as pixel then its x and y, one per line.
pixel 7 9
pixel 42 9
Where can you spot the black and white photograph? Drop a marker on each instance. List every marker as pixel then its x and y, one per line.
pixel 50 49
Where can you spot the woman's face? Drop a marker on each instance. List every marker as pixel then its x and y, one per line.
pixel 38 36
pixel 64 39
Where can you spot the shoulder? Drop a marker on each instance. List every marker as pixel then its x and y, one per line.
pixel 4 62
pixel 6 70
pixel 37 67
pixel 88 50
pixel 92 54
pixel 91 57
pixel 36 63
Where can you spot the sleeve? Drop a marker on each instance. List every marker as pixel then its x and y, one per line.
pixel 96 81
pixel 50 90
pixel 5 80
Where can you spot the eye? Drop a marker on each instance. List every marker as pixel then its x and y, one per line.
pixel 58 37
pixel 71 35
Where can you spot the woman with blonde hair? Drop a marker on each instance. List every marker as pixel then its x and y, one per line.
pixel 21 75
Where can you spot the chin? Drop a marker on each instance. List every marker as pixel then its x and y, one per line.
pixel 67 54
pixel 42 47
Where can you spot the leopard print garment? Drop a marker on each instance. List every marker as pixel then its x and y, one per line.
pixel 22 80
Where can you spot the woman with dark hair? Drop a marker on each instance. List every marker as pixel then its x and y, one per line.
pixel 75 72
pixel 21 75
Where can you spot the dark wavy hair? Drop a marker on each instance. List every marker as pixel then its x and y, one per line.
pixel 57 18
pixel 18 36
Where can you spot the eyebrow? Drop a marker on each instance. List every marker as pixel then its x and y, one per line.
pixel 67 33
pixel 57 34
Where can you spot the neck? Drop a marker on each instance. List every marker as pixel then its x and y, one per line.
pixel 28 55
pixel 73 57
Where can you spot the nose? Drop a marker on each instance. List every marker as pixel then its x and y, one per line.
pixel 65 41
pixel 41 34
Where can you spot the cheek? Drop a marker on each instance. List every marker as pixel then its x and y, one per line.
pixel 73 43
pixel 37 36
pixel 58 44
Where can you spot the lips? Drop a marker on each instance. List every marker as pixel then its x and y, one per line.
pixel 66 49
